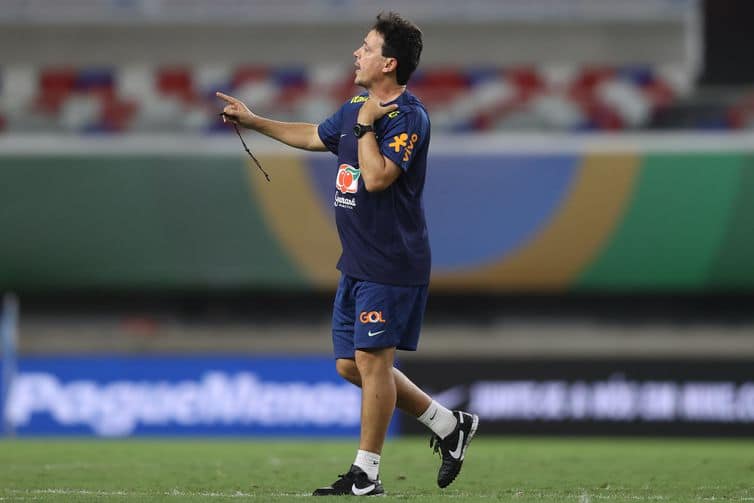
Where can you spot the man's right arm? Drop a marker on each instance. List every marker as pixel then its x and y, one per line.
pixel 296 134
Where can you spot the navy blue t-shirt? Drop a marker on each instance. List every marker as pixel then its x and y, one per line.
pixel 383 234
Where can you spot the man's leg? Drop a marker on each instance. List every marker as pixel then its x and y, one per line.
pixel 378 396
pixel 362 479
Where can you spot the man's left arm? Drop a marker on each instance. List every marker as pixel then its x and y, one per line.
pixel 377 171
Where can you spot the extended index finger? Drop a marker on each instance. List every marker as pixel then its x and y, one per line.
pixel 226 98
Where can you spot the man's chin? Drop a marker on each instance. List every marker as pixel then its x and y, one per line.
pixel 358 82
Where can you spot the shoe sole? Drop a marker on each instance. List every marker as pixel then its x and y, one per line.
pixel 370 495
pixel 377 495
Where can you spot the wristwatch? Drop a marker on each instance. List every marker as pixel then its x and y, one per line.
pixel 360 130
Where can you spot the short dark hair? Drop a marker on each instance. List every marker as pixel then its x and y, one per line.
pixel 402 41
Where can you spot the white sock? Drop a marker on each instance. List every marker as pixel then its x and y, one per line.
pixel 438 419
pixel 369 462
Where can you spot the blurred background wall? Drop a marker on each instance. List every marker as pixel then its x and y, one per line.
pixel 588 201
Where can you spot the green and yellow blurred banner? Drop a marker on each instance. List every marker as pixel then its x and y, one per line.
pixel 623 220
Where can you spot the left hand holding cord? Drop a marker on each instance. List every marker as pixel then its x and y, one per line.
pixel 372 110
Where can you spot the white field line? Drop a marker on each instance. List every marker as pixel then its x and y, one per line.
pixel 37 494
pixel 73 465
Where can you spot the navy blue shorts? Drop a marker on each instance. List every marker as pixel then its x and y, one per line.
pixel 369 315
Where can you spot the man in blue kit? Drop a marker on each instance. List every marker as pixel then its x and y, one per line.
pixel 381 138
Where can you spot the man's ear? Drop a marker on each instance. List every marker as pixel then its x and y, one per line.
pixel 391 65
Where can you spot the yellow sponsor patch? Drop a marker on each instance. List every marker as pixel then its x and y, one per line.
pixel 399 141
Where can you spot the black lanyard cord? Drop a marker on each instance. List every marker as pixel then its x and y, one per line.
pixel 246 148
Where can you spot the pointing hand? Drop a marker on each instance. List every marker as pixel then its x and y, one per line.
pixel 236 110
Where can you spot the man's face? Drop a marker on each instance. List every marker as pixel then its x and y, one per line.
pixel 369 60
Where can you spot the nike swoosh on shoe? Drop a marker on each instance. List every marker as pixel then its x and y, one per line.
pixel 456 453
pixel 362 491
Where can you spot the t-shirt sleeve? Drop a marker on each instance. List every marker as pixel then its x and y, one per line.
pixel 403 135
pixel 329 131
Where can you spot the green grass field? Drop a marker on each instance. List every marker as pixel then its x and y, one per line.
pixel 496 469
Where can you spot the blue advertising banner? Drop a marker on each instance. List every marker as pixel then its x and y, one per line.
pixel 122 396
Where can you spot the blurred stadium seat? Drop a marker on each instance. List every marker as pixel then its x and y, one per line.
pixel 144 98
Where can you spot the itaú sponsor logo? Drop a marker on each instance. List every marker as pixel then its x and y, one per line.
pixel 216 399
pixel 345 202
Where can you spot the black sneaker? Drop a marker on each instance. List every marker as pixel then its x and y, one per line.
pixel 354 483
pixel 453 447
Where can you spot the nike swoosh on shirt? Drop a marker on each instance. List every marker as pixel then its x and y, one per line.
pixel 459 449
pixel 344 134
pixel 372 334
pixel 363 491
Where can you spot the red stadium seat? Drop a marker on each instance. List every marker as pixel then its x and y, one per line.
pixel 55 85
pixel 176 82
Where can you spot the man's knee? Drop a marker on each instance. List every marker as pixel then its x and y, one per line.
pixel 348 370
pixel 375 361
